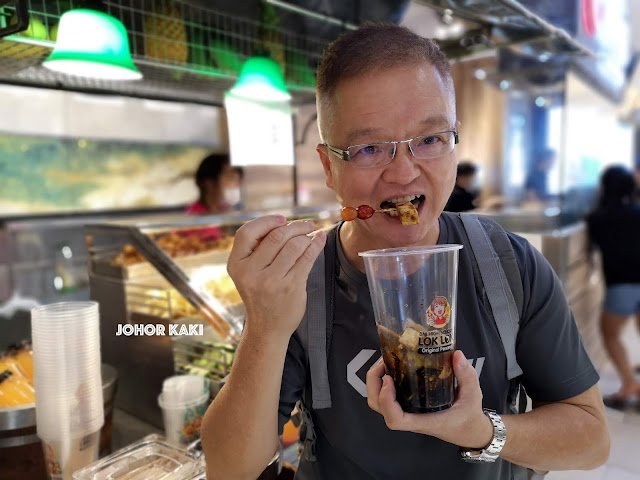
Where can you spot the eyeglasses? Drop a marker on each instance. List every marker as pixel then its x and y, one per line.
pixel 369 155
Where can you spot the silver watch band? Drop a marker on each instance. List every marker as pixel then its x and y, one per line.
pixel 492 451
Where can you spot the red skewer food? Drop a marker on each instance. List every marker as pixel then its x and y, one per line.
pixel 365 211
pixel 407 211
pixel 349 213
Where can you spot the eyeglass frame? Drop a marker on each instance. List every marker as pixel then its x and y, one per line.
pixel 345 156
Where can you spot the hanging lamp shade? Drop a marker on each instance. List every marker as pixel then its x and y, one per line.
pixel 261 79
pixel 92 44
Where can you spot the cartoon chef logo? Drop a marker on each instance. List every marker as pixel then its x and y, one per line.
pixel 438 313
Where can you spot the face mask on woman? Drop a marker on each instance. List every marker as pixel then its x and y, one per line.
pixel 232 195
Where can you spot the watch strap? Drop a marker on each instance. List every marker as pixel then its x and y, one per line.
pixel 491 452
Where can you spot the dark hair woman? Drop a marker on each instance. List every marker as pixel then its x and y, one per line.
pixel 218 184
pixel 614 227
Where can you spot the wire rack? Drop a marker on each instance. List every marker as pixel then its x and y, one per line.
pixel 186 52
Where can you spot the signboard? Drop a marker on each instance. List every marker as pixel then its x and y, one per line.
pixel 260 133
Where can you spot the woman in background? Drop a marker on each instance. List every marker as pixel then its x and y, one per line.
pixel 219 186
pixel 614 227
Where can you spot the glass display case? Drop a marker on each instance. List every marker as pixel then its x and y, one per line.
pixel 167 303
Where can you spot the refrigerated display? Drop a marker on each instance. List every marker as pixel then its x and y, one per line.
pixel 167 303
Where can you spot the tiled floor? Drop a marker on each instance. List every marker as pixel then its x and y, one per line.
pixel 624 461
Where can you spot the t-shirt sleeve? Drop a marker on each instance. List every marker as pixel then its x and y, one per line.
pixel 549 347
pixel 294 377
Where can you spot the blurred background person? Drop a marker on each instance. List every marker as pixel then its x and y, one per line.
pixel 463 197
pixel 614 227
pixel 537 182
pixel 219 185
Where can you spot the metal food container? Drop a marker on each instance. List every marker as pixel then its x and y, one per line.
pixel 21 454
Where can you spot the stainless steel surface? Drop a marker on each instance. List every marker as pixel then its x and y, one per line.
pixel 19 441
pixel 12 418
pixel 27 251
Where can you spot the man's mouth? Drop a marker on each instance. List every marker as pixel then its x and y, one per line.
pixel 417 201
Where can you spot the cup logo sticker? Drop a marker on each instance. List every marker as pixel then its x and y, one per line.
pixel 439 313
pixel 438 338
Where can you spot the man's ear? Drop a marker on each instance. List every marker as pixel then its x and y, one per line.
pixel 326 164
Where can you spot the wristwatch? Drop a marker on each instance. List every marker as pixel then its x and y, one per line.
pixel 492 451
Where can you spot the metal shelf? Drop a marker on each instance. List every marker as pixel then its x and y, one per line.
pixel 185 52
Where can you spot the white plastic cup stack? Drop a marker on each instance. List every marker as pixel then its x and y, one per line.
pixel 68 384
pixel 184 400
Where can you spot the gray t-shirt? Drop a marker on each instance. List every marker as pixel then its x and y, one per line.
pixel 354 442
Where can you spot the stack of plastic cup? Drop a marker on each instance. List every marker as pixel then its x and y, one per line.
pixel 184 400
pixel 68 384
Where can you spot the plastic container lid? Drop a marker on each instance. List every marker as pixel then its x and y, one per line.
pixel 148 459
pixel 179 390
pixel 401 251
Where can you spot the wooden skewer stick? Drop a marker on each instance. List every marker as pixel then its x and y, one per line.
pixel 386 210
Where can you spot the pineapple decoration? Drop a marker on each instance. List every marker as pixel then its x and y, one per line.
pixel 165 35
pixel 270 37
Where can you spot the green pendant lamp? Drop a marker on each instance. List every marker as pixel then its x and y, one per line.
pixel 261 79
pixel 92 44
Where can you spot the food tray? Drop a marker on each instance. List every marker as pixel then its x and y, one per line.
pixel 101 264
pixel 205 355
pixel 154 298
pixel 148 459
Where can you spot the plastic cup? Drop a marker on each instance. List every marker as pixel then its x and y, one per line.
pixel 414 294
pixel 67 370
pixel 66 454
pixel 184 401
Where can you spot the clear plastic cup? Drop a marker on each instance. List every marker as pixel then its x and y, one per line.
pixel 64 454
pixel 414 294
pixel 67 369
pixel 184 401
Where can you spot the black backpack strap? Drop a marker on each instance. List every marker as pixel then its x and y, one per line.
pixel 307 433
pixel 315 328
pixel 500 275
pixel 314 332
pixel 484 240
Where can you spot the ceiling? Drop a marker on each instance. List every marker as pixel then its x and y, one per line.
pixel 237 21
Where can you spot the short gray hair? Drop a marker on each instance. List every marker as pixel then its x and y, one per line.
pixel 372 48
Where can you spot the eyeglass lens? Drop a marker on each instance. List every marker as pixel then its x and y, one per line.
pixel 430 146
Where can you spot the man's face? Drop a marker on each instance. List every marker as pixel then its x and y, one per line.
pixel 397 104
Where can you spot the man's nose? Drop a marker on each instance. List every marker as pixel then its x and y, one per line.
pixel 402 169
